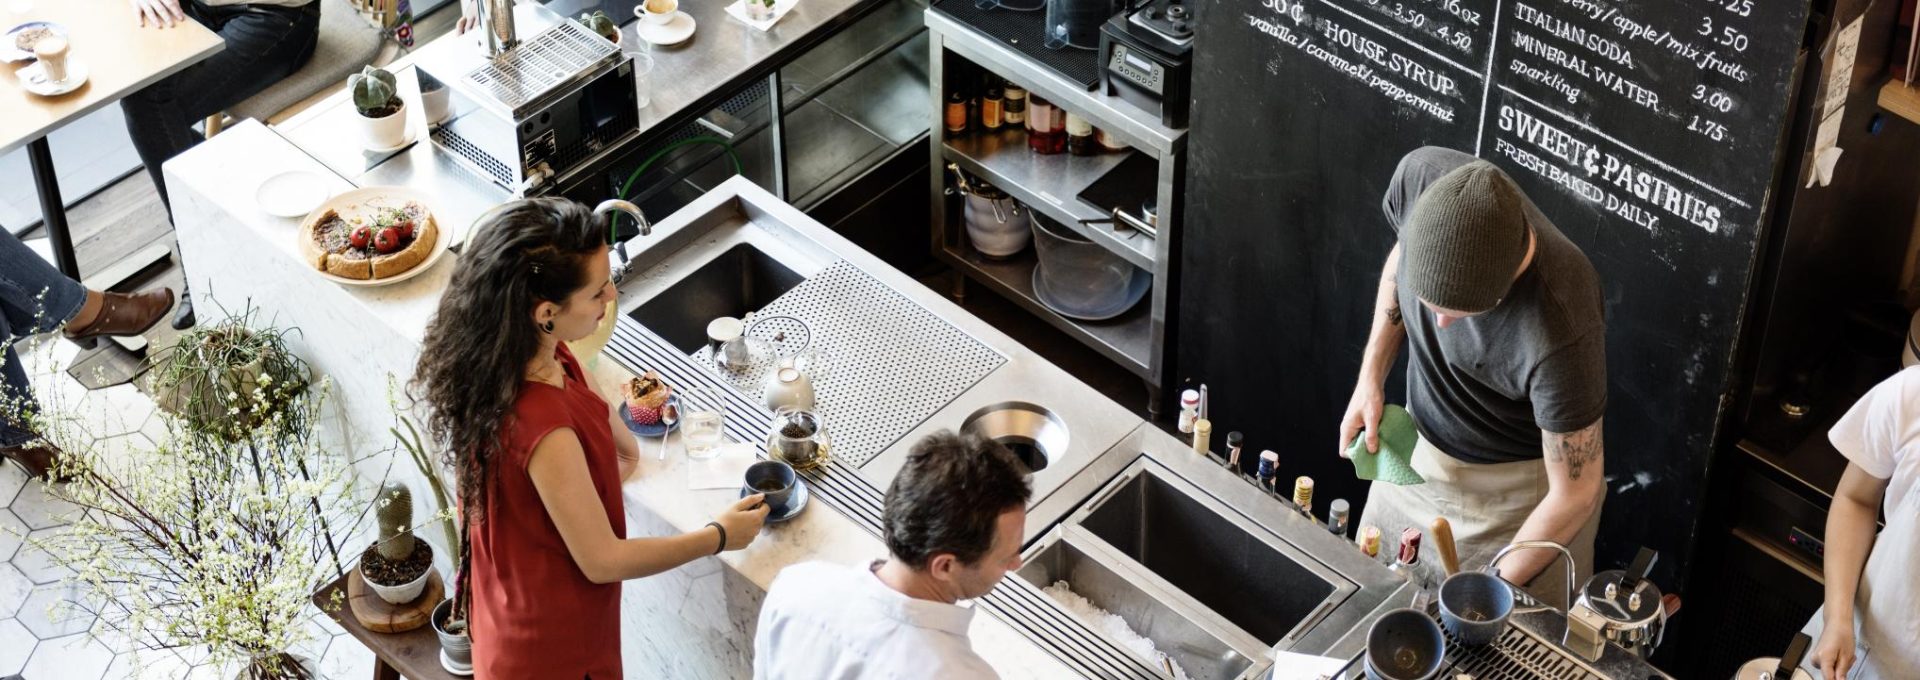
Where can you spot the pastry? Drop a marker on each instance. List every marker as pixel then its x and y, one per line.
pixel 645 397
pixel 390 242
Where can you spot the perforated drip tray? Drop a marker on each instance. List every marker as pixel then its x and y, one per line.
pixel 890 364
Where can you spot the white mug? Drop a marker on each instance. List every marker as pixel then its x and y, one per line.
pixel 52 53
pixel 646 10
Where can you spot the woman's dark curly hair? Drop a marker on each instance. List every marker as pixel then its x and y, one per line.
pixel 474 357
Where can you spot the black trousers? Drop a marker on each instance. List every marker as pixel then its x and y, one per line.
pixel 264 44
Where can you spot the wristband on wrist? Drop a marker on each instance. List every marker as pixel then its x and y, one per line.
pixel 723 537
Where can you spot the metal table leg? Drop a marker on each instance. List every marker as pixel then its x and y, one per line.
pixel 52 209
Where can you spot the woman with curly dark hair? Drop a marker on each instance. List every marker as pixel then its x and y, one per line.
pixel 538 453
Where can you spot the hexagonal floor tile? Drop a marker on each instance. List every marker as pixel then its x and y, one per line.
pixel 347 658
pixel 36 563
pixel 12 480
pixel 12 533
pixel 14 588
pixel 50 612
pixel 16 646
pixel 40 510
pixel 74 657
pixel 143 664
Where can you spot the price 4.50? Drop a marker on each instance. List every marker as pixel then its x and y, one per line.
pixel 1707 128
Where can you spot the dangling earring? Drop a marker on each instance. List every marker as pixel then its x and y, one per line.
pixel 547 328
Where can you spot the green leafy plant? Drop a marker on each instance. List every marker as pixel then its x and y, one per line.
pixel 375 92
pixel 227 379
pixel 602 24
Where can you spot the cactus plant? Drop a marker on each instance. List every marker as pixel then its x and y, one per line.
pixel 375 92
pixel 396 521
pixel 600 23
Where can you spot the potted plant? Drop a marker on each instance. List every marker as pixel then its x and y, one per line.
pixel 398 564
pixel 456 649
pixel 383 114
pixel 210 538
pixel 227 379
pixel 601 24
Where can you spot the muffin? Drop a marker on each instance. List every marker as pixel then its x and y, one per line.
pixel 645 397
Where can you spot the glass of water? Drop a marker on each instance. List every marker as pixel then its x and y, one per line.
pixel 642 77
pixel 702 422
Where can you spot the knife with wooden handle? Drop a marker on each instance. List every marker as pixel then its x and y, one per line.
pixel 1443 542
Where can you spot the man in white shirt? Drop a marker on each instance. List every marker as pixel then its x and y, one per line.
pixel 1870 625
pixel 954 521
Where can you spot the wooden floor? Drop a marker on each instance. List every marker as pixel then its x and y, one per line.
pixel 109 229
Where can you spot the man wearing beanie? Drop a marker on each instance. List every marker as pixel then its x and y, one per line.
pixel 1507 379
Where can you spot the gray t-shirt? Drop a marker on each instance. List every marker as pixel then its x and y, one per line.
pixel 1483 389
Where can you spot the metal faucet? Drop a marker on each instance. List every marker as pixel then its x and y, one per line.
pixel 496 22
pixel 620 249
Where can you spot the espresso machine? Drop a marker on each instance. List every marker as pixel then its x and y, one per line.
pixel 529 112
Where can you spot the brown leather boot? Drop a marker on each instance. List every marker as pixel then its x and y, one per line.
pixel 37 458
pixel 124 314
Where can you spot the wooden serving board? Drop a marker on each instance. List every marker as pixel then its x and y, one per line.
pixel 379 616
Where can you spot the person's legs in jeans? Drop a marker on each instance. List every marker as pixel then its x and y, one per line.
pixel 264 44
pixel 34 298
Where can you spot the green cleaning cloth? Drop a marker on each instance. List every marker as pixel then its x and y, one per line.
pixel 1394 463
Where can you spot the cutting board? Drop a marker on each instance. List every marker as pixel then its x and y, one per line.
pixel 380 616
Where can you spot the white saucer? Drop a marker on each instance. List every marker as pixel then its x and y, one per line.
pixel 291 194
pixel 34 80
pixel 405 140
pixel 674 32
pixel 446 662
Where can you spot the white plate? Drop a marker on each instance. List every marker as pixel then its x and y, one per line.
pixel 353 203
pixel 33 78
pixel 291 194
pixel 10 53
pixel 677 30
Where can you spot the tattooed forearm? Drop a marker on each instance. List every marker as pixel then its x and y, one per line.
pixel 1578 450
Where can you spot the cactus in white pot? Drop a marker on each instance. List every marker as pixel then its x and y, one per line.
pixel 398 564
pixel 383 114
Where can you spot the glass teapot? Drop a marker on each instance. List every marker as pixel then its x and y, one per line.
pixel 798 437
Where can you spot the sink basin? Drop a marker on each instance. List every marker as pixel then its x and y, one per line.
pixel 1237 569
pixel 1178 627
pixel 743 279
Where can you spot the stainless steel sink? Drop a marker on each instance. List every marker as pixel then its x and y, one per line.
pixel 1233 567
pixel 1178 626
pixel 740 280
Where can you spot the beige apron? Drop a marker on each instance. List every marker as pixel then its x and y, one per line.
pixel 1486 503
pixel 1885 621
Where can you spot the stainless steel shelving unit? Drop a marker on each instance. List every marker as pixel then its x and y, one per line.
pixel 1050 185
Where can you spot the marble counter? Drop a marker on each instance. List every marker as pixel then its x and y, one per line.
pixel 693 622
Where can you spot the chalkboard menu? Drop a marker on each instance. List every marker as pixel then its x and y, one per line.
pixel 1648 131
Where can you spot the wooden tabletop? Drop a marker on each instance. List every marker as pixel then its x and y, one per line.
pixel 415 653
pixel 120 56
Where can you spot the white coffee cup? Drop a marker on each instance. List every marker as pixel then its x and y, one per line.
pixel 657 11
pixel 52 53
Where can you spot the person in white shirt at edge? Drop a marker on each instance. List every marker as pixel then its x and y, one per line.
pixel 953 525
pixel 1870 625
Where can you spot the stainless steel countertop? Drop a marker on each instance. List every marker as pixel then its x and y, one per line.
pixel 721 52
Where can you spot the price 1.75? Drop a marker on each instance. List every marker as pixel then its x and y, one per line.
pixel 1709 129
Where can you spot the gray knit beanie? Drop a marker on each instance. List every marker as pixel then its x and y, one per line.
pixel 1465 239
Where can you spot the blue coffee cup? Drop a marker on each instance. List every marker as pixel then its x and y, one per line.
pixel 774 479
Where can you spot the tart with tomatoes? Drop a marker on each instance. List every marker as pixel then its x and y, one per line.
pixel 386 242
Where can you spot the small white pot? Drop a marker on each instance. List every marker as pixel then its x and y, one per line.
pixel 403 593
pixel 385 132
pixel 433 103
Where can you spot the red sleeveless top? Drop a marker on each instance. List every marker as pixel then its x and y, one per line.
pixel 534 613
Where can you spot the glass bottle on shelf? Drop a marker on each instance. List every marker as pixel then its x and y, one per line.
pixel 956 112
pixel 1080 136
pixel 1014 109
pixel 992 108
pixel 1046 126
